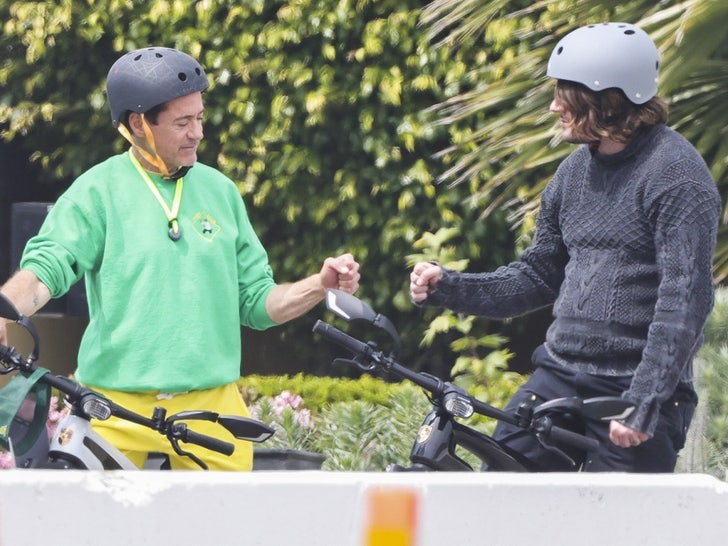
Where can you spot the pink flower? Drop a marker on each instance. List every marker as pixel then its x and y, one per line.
pixel 303 418
pixel 55 415
pixel 286 399
pixel 7 459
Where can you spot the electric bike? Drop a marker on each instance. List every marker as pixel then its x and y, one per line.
pixel 445 427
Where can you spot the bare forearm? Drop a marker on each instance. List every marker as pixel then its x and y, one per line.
pixel 291 300
pixel 26 292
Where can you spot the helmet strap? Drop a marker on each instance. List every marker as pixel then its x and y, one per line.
pixel 151 157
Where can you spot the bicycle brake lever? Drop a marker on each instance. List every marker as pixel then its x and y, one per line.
pixel 177 432
pixel 555 450
pixel 181 452
pixel 541 428
pixel 355 362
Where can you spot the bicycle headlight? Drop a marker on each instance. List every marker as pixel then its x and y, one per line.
pixel 97 409
pixel 459 406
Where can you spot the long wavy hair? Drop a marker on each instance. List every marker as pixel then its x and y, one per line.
pixel 608 113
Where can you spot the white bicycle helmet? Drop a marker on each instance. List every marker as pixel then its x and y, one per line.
pixel 148 77
pixel 607 55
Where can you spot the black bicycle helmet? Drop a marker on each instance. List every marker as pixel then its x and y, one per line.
pixel 148 77
pixel 608 55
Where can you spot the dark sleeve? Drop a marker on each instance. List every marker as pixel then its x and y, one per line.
pixel 520 287
pixel 685 221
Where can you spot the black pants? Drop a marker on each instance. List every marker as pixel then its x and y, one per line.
pixel 550 380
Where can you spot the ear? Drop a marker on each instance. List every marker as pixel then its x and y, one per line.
pixel 136 124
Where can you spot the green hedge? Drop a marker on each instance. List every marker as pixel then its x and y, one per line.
pixel 707 447
pixel 317 392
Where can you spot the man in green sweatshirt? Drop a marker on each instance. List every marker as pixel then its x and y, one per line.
pixel 171 263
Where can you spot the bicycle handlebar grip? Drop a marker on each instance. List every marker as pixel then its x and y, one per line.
pixel 221 446
pixel 574 439
pixel 340 338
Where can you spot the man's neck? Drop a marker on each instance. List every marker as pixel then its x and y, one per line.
pixel 143 162
pixel 607 146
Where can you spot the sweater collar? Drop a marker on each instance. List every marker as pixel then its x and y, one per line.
pixel 634 146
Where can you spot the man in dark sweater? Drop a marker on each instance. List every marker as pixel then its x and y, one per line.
pixel 623 251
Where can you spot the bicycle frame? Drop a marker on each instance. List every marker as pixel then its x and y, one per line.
pixel 439 434
pixel 76 444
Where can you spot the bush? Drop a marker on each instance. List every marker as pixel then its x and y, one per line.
pixel 317 109
pixel 359 424
pixel 707 447
pixel 318 392
pixel 365 436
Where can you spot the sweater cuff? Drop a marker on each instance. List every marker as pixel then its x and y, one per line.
pixel 645 416
pixel 440 294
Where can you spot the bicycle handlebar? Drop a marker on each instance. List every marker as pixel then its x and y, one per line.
pixel 208 442
pixel 342 339
pixel 376 357
pixel 541 425
pixel 564 436
pixel 94 405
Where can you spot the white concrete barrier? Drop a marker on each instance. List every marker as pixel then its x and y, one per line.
pixel 317 508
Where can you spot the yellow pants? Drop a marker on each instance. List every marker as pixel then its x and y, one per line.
pixel 136 441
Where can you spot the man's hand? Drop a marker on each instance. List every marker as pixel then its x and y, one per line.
pixel 28 295
pixel 624 436
pixel 424 277
pixel 341 272
pixel 291 300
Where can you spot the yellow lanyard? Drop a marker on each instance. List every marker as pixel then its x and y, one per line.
pixel 174 231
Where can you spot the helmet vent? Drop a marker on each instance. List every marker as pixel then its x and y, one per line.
pixel 560 50
pixel 628 32
pixel 182 77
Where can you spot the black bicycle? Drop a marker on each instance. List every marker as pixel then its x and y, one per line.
pixel 75 444
pixel 445 428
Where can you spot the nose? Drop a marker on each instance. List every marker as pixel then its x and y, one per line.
pixel 196 131
pixel 555 106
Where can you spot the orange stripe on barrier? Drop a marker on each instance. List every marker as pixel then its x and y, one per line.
pixel 392 517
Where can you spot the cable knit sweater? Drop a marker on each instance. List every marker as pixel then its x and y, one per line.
pixel 623 250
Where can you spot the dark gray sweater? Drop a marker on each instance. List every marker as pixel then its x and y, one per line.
pixel 623 250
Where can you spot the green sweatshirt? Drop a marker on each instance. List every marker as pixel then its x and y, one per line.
pixel 163 315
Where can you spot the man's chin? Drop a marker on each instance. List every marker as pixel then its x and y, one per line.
pixel 187 157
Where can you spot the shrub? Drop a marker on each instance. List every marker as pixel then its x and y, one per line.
pixel 707 447
pixel 359 424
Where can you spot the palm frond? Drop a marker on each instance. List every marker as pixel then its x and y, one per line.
pixel 506 157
